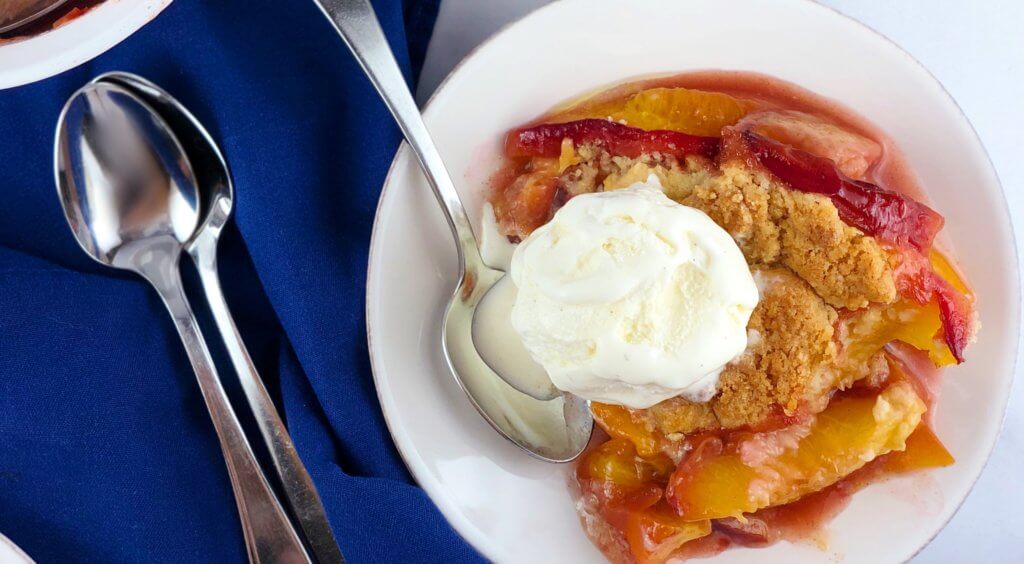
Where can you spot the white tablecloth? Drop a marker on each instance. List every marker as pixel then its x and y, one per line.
pixel 976 48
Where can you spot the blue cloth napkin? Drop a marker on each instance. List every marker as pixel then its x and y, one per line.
pixel 107 453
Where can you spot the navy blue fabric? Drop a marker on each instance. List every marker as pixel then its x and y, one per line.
pixel 106 451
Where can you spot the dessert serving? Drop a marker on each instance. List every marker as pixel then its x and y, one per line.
pixel 744 280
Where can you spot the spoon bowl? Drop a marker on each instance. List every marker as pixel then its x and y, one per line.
pixel 153 201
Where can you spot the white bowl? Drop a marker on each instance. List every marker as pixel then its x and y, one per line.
pixel 515 509
pixel 76 42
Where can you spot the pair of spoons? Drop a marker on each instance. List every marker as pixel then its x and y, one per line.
pixel 141 181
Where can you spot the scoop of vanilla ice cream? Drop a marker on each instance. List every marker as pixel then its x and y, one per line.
pixel 628 297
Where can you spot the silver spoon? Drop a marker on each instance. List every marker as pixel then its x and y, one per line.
pixel 129 194
pixel 16 13
pixel 545 423
pixel 217 194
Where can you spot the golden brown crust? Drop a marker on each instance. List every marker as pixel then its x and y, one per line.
pixel 847 268
pixel 744 208
pixel 791 352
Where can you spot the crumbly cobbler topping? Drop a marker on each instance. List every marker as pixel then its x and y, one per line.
pixel 812 262
pixel 790 353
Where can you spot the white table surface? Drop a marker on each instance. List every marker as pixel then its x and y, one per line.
pixel 976 48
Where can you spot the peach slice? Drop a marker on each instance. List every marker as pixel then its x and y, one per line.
pixel 527 203
pixel 616 463
pixel 933 280
pixel 917 325
pixel 680 109
pixel 628 489
pixel 655 533
pixel 920 326
pixel 696 112
pixel 853 154
pixel 622 482
pixel 547 139
pixel 945 269
pixel 924 450
pixel 618 422
pixel 713 484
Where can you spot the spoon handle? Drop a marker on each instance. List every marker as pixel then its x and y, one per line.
pixel 298 486
pixel 269 535
pixel 357 24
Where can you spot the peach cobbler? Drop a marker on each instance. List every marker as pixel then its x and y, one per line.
pixel 845 307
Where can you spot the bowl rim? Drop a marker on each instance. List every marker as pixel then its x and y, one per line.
pixel 465 530
pixel 52 52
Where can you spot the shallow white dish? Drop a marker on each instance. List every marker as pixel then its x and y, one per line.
pixel 76 42
pixel 513 508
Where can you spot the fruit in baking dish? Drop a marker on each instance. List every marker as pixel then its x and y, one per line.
pixel 857 308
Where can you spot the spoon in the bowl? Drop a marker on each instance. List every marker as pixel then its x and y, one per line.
pixel 216 193
pixel 552 426
pixel 129 195
pixel 16 13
